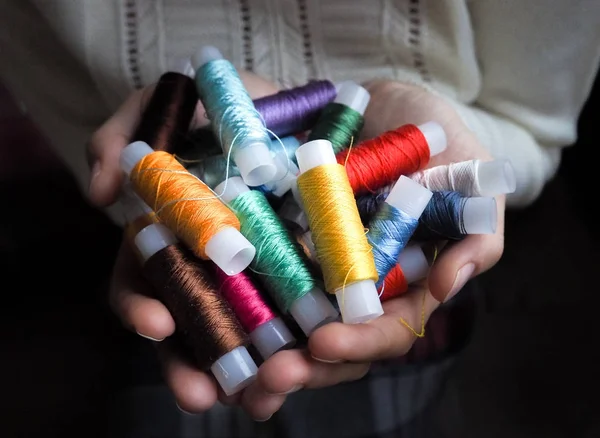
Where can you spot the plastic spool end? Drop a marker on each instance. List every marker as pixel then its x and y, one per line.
pixel 231 188
pixel 235 370
pixel 133 206
pixel 496 177
pixel 271 337
pixel 409 196
pixel 205 55
pixel 435 136
pixel 359 302
pixel 480 216
pixel 230 251
pixel 132 154
pixel 312 311
pixel 255 164
pixel 182 66
pixel 315 153
pixel 413 263
pixel 152 239
pixel 353 96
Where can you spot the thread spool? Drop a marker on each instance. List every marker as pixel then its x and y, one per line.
pixel 395 222
pixel 412 266
pixel 137 214
pixel 450 216
pixel 287 170
pixel 278 263
pixel 167 117
pixel 268 333
pixel 186 288
pixel 234 118
pixel 378 162
pixel 296 109
pixel 188 207
pixel 342 120
pixel 342 247
pixel 292 214
pixel 473 178
pixel 213 170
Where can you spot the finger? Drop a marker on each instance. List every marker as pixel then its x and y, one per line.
pixel 229 400
pixel 463 260
pixel 194 390
pixel 382 338
pixel 130 301
pixel 259 404
pixel 291 370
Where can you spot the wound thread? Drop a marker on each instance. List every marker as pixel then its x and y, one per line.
pixel 279 263
pixel 187 206
pixel 339 124
pixel 378 162
pixel 337 231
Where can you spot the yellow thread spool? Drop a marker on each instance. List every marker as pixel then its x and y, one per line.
pixel 337 232
pixel 188 207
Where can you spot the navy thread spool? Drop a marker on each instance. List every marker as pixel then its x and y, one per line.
pixel 450 216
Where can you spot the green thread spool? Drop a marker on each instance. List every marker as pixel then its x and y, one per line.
pixel 280 263
pixel 342 120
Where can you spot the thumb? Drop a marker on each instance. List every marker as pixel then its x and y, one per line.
pixel 461 261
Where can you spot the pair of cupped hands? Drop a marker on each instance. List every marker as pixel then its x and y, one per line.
pixel 336 352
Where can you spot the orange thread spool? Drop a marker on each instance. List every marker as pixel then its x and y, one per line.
pixel 181 201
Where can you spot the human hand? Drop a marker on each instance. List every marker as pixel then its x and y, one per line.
pixel 392 105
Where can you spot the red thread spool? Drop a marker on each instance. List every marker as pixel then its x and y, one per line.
pixel 378 162
pixel 394 285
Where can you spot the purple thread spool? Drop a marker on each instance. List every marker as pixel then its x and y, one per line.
pixel 297 109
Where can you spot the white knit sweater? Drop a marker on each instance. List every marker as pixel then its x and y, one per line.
pixel 518 71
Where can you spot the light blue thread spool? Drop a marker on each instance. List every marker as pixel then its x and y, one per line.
pixel 237 124
pixel 394 224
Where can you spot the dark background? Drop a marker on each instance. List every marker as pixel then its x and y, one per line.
pixel 528 370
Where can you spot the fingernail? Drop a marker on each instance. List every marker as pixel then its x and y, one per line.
pixel 183 410
pixel 149 337
pixel 262 420
pixel 94 173
pixel 294 389
pixel 327 361
pixel 462 276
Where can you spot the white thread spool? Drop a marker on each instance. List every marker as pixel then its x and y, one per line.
pixel 473 178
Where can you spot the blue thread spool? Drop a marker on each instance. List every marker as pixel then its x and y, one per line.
pixel 394 224
pixel 237 124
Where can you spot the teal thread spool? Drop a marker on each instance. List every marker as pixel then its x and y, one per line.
pixel 280 264
pixel 342 120
pixel 236 123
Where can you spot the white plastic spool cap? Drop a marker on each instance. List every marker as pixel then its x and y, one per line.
pixel 230 251
pixel 235 370
pixel 480 216
pixel 352 95
pixel 292 212
pixel 204 55
pixel 152 239
pixel 231 188
pixel 435 136
pixel 358 302
pixel 413 263
pixel 133 206
pixel 285 178
pixel 132 154
pixel 271 337
pixel 183 66
pixel 495 177
pixel 409 197
pixel 312 311
pixel 296 194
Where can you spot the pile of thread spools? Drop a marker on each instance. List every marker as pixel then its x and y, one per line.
pixel 280 209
